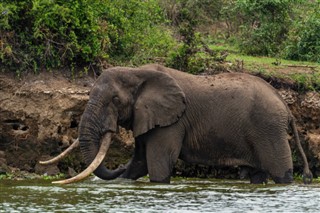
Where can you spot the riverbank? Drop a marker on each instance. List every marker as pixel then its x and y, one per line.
pixel 39 116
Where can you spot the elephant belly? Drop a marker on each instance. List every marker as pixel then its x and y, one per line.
pixel 216 152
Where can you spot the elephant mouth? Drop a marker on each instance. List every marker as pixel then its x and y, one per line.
pixel 104 146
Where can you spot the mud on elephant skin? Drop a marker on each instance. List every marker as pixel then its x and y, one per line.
pixel 222 120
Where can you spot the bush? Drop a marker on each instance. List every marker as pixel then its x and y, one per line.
pixel 45 34
pixel 136 31
pixel 304 39
pixel 186 21
pixel 262 25
pixel 49 34
pixel 154 47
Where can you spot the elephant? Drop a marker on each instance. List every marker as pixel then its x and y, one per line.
pixel 228 119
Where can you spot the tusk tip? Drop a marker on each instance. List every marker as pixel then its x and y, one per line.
pixel 42 162
pixel 59 182
pixel 47 162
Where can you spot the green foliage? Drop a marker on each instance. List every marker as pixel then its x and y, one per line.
pixel 287 28
pixel 50 34
pixel 204 62
pixel 6 177
pixel 193 53
pixel 155 47
pixel 134 25
pixel 186 21
pixel 136 31
pixel 307 82
pixel 203 12
pixel 45 34
pixel 263 25
pixel 304 39
pixel 265 40
pixel 53 177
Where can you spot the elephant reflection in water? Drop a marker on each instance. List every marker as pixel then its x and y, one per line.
pixel 222 120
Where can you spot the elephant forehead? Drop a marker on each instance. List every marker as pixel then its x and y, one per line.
pixel 104 90
pixel 123 78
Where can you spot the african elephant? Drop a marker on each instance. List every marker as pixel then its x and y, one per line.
pixel 227 119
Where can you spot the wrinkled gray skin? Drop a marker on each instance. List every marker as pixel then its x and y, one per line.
pixel 226 120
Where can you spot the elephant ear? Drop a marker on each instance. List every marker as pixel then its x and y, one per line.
pixel 159 101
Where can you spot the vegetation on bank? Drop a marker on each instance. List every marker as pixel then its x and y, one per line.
pixel 33 176
pixel 194 36
pixel 303 74
pixel 30 176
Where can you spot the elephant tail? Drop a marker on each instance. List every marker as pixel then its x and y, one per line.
pixel 307 175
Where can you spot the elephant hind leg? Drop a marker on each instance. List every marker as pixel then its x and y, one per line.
pixel 274 156
pixel 280 170
pixel 279 164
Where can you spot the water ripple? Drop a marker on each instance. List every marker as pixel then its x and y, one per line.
pixel 180 196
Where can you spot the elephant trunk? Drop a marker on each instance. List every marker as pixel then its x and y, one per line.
pixel 94 144
pixel 90 136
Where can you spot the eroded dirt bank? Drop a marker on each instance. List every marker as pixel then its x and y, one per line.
pixel 39 117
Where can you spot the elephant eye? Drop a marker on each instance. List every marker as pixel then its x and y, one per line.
pixel 116 101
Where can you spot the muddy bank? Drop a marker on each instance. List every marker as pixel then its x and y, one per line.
pixel 39 117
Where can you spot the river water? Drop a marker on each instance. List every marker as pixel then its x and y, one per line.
pixel 182 195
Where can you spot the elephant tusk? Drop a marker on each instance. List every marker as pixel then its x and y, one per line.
pixel 56 159
pixel 106 140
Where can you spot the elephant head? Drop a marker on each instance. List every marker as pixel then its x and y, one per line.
pixel 137 99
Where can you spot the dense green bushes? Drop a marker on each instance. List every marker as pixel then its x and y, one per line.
pixel 304 39
pixel 36 34
pixel 281 28
pixel 264 25
pixel 278 28
pixel 49 34
pixel 46 34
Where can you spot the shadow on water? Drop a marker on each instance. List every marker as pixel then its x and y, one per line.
pixel 194 195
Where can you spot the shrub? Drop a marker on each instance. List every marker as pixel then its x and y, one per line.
pixel 136 30
pixel 50 34
pixel 193 54
pixel 262 25
pixel 186 21
pixel 45 34
pixel 304 39
pixel 66 32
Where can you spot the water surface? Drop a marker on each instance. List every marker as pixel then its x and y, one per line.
pixel 182 195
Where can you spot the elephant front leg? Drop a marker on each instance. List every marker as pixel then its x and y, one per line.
pixel 163 149
pixel 137 166
pixel 256 176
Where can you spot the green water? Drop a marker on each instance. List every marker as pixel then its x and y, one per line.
pixel 182 195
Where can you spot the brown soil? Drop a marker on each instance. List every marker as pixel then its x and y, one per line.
pixel 39 116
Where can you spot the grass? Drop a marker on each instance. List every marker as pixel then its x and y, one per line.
pixel 30 176
pixel 305 74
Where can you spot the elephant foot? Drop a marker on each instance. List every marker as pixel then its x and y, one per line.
pixel 134 170
pixel 259 177
pixel 164 181
pixel 256 176
pixel 287 178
